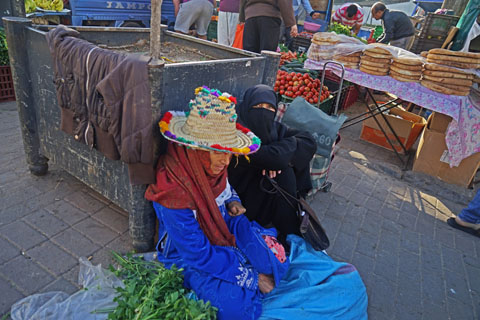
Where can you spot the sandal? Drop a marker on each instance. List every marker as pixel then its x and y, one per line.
pixel 452 223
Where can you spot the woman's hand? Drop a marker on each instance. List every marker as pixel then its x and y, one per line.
pixel 271 173
pixel 235 208
pixel 265 283
pixel 294 31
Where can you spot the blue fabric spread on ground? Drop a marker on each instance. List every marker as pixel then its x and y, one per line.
pixel 316 287
pixel 228 276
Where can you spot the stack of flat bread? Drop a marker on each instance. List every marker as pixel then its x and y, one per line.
pixel 321 47
pixel 447 80
pixel 350 60
pixel 457 59
pixel 376 61
pixel 406 69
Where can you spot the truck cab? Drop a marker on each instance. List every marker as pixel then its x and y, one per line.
pixel 130 13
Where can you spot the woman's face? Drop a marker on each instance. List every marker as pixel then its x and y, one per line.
pixel 219 161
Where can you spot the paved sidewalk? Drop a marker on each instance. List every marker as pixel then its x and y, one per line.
pixel 413 264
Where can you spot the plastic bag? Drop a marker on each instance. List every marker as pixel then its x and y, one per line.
pixel 97 294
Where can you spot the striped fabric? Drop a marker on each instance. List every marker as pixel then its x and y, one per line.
pixel 340 15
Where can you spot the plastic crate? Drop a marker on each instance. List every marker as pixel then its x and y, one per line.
pixel 300 44
pixel 349 93
pixel 349 97
pixel 436 26
pixel 423 44
pixel 7 91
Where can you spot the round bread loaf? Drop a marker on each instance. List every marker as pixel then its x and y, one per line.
pixel 424 54
pixel 443 89
pixel 375 64
pixel 455 53
pixel 407 66
pixel 453 58
pixel 409 61
pixel 325 38
pixel 346 59
pixel 377 55
pixel 377 47
pixel 476 79
pixel 403 79
pixel 406 72
pixel 461 65
pixel 355 54
pixel 373 72
pixel 448 74
pixel 351 65
pixel 376 69
pixel 324 43
pixel 377 60
pixel 448 81
pixel 404 75
pixel 439 67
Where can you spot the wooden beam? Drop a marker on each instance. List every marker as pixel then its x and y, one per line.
pixel 155 29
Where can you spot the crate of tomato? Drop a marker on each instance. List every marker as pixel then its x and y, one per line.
pixel 297 84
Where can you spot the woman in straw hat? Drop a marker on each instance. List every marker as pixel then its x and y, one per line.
pixel 285 156
pixel 235 264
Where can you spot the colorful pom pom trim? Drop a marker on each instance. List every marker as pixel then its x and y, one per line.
pixel 164 129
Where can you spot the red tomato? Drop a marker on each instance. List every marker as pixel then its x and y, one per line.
pixel 277 83
pixel 289 88
pixel 289 78
pixel 315 100
pixel 290 83
pixel 310 100
pixel 282 91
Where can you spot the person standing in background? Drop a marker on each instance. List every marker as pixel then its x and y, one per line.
pixel 262 23
pixel 227 21
pixel 190 12
pixel 350 15
pixel 398 30
pixel 300 9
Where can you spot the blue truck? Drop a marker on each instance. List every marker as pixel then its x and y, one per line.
pixel 130 13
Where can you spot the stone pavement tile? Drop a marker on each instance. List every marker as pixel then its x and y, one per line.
pixel 372 222
pixel 22 234
pixel 11 214
pixel 350 226
pixel 96 231
pixel 43 200
pixel 394 200
pixel 52 257
pixel 430 259
pixel 103 257
pixel 66 212
pixel 60 284
pixel 410 241
pixel 408 206
pixel 336 206
pixel 403 312
pixel 75 243
pixel 465 243
pixel 444 234
pixel 72 275
pixel 391 226
pixel 433 310
pixel 407 220
pixel 373 204
pixel 380 191
pixel 85 202
pixel 428 241
pixel 443 209
pixel 389 242
pixel 367 244
pixel 122 244
pixel 386 265
pixel 7 251
pixel 459 310
pixel 452 259
pixel 425 224
pixel 381 297
pixel 357 198
pixel 26 274
pixel 9 295
pixel 343 246
pixel 46 222
pixel 473 275
pixel 409 264
pixel 113 219
pixel 364 264
pixel 365 187
pixel 434 291
pixel 377 314
pixel 390 213
pixel 343 190
pixel 116 208
pixel 457 287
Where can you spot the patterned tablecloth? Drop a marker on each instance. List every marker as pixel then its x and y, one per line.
pixel 463 133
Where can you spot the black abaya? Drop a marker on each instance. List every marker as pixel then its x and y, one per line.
pixel 282 149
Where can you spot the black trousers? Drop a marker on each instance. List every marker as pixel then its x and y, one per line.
pixel 261 33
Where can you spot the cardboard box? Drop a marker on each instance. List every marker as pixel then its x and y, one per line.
pixel 432 156
pixel 439 122
pixel 407 128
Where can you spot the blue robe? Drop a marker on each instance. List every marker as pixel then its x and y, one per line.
pixel 308 284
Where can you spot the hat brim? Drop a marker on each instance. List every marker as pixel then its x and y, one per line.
pixel 245 143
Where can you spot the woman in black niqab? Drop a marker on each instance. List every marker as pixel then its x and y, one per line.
pixel 285 153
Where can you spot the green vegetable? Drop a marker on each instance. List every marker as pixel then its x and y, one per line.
pixel 340 29
pixel 4 61
pixel 154 292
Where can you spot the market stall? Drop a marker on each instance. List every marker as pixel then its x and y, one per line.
pixel 462 137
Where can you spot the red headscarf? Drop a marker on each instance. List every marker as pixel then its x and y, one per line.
pixel 184 180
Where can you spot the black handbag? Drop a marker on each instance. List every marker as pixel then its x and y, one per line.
pixel 310 227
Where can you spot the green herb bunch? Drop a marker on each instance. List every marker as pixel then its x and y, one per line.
pixel 339 28
pixel 3 49
pixel 154 292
